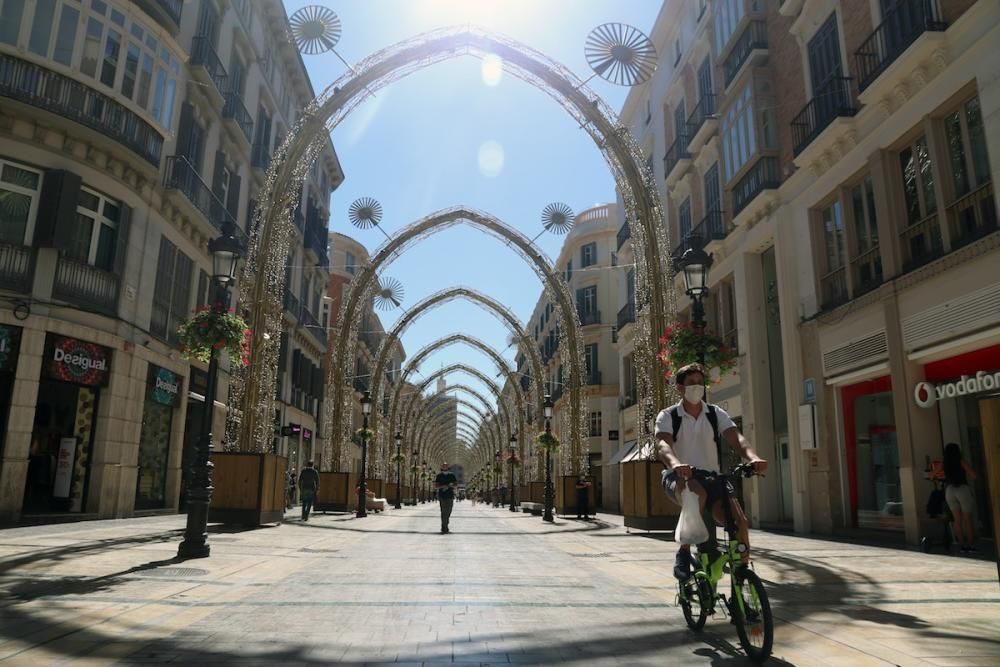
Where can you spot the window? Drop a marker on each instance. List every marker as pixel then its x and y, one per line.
pixel 727 19
pixel 588 255
pixel 10 20
pixel 918 181
pixel 19 188
pixel 586 301
pixel 684 218
pixel 973 211
pixel 590 365
pixel 66 37
pixel 595 424
pixel 867 260
pixel 171 300
pixel 41 28
pixel 739 140
pixel 677 50
pixel 727 313
pixel 833 284
pixel 96 234
pixel 350 262
pixel 713 194
pixel 569 270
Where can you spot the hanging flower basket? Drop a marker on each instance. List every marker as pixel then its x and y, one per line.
pixel 362 435
pixel 397 458
pixel 682 344
pixel 547 442
pixel 512 459
pixel 414 468
pixel 215 329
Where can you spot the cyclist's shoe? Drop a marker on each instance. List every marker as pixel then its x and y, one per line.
pixel 682 565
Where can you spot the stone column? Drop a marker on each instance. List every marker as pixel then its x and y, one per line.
pixel 21 419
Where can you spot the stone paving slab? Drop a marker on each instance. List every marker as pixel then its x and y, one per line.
pixel 501 589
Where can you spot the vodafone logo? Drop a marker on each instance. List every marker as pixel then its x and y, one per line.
pixel 924 394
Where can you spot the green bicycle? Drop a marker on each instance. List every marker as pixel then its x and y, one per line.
pixel 747 604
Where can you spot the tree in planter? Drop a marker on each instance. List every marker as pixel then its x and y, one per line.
pixel 684 344
pixel 215 329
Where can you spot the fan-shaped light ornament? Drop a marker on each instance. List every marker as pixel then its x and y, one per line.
pixel 389 294
pixel 621 54
pixel 315 29
pixel 365 213
pixel 558 218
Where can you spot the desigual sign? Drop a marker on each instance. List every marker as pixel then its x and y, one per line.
pixel 926 394
pixel 77 361
pixel 164 386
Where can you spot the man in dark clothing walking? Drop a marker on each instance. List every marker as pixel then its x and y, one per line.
pixel 308 488
pixel 445 483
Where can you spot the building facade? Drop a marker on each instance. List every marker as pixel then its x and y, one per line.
pixel 835 158
pixel 588 262
pixel 127 144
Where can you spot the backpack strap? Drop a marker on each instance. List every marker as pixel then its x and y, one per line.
pixel 713 419
pixel 675 418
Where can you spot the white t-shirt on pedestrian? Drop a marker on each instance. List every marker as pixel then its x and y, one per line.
pixel 695 441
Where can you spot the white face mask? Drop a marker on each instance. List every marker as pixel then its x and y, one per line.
pixel 694 393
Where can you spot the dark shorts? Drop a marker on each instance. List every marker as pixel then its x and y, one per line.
pixel 714 490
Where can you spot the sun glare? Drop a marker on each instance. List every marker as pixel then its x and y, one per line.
pixel 492 70
pixel 484 13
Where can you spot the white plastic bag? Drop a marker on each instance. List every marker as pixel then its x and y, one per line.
pixel 691 527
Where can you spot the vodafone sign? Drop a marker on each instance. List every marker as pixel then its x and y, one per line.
pixel 926 394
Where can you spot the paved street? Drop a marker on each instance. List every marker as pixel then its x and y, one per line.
pixel 501 588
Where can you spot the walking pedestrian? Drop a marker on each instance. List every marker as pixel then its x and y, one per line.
pixel 957 475
pixel 445 483
pixel 291 489
pixel 308 488
pixel 582 498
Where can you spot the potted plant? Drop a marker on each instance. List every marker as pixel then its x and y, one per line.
pixel 213 329
pixel 362 435
pixel 684 344
pixel 547 442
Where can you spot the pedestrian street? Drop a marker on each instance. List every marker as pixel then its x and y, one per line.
pixel 501 588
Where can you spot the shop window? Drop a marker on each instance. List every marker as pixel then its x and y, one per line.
pixel 19 189
pixel 10 20
pixel 595 424
pixel 95 236
pixel 171 299
pixel 879 502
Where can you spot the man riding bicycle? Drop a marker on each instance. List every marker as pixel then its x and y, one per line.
pixel 686 438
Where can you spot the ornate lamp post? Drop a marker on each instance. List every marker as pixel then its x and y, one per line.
pixel 366 408
pixel 226 252
pixel 496 477
pixel 413 469
pixel 425 484
pixel 512 451
pixel 399 469
pixel 550 494
pixel 695 263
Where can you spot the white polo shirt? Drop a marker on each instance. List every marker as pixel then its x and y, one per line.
pixel 695 442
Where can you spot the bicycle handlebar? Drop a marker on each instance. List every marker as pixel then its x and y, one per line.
pixel 745 470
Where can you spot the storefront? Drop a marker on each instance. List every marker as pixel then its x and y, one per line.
pixel 162 397
pixel 10 344
pixel 62 439
pixel 872 455
pixel 963 388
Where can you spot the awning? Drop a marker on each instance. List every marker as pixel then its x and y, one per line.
pixel 622 452
pixel 639 454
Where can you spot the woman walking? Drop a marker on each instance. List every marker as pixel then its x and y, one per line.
pixel 957 475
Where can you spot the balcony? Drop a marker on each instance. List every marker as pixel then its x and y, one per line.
pixel 182 176
pixel 702 123
pixel 866 271
pixel 624 234
pixel 677 156
pixel 752 42
pixel 626 315
pixel 86 285
pixel 17 268
pixel 762 176
pixel 712 227
pixel 832 100
pixel 590 317
pixel 235 111
pixel 902 25
pixel 689 241
pixel 833 288
pixel 260 157
pixel 593 378
pixel 312 325
pixel 291 304
pixel 972 216
pixel 921 243
pixel 203 54
pixel 316 242
pixel 166 12
pixel 44 89
pixel 628 400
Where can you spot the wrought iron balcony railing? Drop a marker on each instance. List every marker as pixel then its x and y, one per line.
pixel 833 288
pixel 17 267
pixel 972 217
pixel 291 303
pixel 921 243
pixel 866 271
pixel 182 176
pixel 171 9
pixel 832 100
pixel 624 234
pixel 754 37
pixel 235 110
pixel 901 26
pixel 589 317
pixel 678 151
pixel 313 326
pixel 203 54
pixel 86 285
pixel 712 227
pixel 762 176
pixel 626 315
pixel 702 112
pixel 44 89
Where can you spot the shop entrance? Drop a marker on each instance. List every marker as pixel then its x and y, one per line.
pixel 989 413
pixel 61 444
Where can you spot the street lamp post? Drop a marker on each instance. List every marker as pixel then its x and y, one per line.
pixel 413 469
pixel 695 263
pixel 366 408
pixel 426 494
pixel 512 452
pixel 226 251
pixel 496 477
pixel 549 490
pixel 399 469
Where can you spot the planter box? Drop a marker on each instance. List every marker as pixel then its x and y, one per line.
pixel 644 504
pixel 249 488
pixel 566 495
pixel 537 492
pixel 523 494
pixel 335 492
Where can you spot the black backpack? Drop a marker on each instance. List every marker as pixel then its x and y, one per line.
pixel 713 419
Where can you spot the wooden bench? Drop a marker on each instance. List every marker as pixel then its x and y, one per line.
pixel 533 508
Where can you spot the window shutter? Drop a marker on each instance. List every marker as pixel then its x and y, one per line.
pixel 57 204
pixel 184 134
pixel 121 236
pixel 580 307
pixel 220 165
pixel 202 296
pixel 233 203
pixel 296 355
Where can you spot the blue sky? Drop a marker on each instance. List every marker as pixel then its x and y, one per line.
pixel 430 141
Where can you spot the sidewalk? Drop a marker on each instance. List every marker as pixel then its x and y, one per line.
pixel 501 588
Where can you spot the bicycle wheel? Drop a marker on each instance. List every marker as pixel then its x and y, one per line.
pixel 692 601
pixel 754 623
